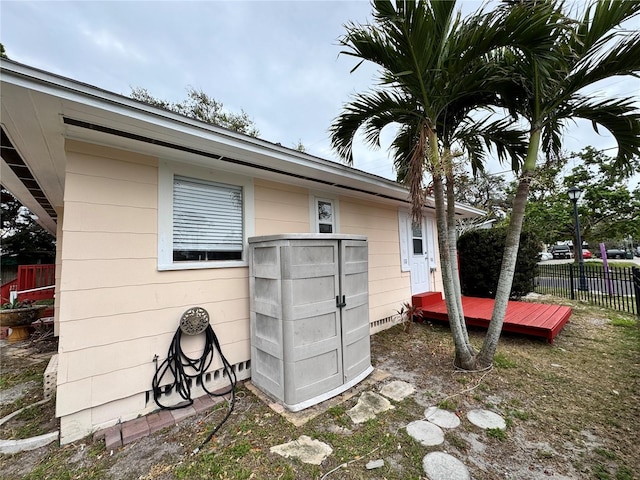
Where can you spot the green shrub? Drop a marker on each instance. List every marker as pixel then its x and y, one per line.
pixel 480 253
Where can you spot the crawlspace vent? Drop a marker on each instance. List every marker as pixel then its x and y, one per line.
pixel 384 323
pixel 214 380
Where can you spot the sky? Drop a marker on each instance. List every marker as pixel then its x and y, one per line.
pixel 279 61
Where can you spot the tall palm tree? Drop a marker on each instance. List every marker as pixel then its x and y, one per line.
pixel 434 75
pixel 549 90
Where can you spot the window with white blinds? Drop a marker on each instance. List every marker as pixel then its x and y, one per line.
pixel 207 220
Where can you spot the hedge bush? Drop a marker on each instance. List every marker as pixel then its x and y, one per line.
pixel 480 254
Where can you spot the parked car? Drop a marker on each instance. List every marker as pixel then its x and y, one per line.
pixel 618 253
pixel 561 251
pixel 586 254
pixel 544 256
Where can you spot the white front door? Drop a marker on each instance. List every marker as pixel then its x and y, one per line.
pixel 419 261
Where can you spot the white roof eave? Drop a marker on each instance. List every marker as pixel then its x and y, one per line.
pixel 80 102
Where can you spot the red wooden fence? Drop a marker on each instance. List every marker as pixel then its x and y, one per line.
pixel 38 281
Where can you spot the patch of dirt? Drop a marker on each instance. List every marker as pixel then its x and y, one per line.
pixel 22 366
pixel 572 411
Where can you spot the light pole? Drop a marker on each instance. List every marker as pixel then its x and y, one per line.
pixel 574 194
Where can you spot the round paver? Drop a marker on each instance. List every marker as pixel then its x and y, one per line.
pixel 442 418
pixel 486 419
pixel 442 466
pixel 426 433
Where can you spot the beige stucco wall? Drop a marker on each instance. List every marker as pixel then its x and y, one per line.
pixel 388 286
pixel 280 208
pixel 116 311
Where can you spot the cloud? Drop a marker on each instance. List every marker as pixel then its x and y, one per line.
pixel 111 44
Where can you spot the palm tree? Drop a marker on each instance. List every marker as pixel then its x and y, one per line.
pixel 434 75
pixel 549 90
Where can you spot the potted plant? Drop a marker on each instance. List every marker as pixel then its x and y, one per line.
pixel 18 315
pixel 410 313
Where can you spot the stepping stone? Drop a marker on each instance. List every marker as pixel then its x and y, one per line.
pixel 375 464
pixel 304 449
pixel 339 430
pixel 486 419
pixel 397 390
pixel 441 418
pixel 426 433
pixel 369 404
pixel 442 466
pixel 9 447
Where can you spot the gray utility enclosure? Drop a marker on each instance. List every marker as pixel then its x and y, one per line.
pixel 309 301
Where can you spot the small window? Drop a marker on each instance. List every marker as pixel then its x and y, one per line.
pixel 325 216
pixel 418 244
pixel 207 221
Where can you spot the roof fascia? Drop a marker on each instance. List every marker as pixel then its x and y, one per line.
pixel 101 101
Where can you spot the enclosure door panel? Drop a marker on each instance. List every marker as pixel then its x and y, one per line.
pixel 354 282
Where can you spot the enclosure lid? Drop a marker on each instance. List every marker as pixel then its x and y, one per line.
pixel 307 236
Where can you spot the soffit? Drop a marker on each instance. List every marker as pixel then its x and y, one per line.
pixel 40 110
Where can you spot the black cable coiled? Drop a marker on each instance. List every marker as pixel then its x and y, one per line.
pixel 177 362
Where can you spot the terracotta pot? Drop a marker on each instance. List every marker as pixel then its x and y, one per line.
pixel 21 316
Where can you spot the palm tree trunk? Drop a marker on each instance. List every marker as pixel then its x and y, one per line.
pixel 463 357
pixel 453 247
pixel 512 243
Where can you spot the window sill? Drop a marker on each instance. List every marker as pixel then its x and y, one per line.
pixel 202 265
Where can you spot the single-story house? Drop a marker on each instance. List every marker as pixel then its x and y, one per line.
pixel 114 180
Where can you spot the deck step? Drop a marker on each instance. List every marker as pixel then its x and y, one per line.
pixel 427 298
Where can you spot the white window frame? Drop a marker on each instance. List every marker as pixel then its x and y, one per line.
pixel 166 173
pixel 314 221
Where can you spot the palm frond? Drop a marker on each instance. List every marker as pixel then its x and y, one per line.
pixel 510 144
pixel 623 58
pixel 369 112
pixel 621 117
pixel 598 24
pixel 552 137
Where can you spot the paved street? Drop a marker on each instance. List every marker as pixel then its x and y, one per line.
pixel 635 260
pixel 595 280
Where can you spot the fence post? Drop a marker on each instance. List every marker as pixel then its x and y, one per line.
pixel 571 286
pixel 635 277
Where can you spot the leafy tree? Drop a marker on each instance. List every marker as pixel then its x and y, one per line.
pixel 609 211
pixel 546 213
pixel 484 191
pixel 300 146
pixel 22 238
pixel 3 53
pixel 200 106
pixel 549 90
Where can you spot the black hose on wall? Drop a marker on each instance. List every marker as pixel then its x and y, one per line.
pixel 178 363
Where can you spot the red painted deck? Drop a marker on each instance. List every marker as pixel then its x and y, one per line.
pixel 526 318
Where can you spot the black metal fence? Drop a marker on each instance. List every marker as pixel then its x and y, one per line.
pixel 616 288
